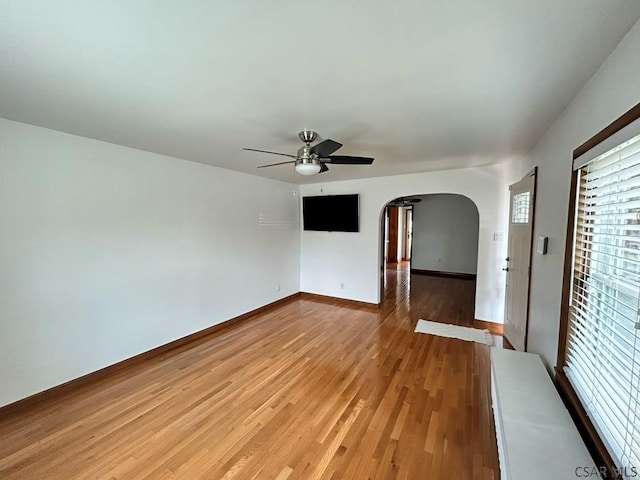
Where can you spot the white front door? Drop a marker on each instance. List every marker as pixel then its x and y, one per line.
pixel 519 261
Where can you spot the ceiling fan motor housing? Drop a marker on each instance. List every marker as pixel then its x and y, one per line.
pixel 307 163
pixel 305 155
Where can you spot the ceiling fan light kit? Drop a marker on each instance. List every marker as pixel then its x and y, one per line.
pixel 311 160
pixel 307 168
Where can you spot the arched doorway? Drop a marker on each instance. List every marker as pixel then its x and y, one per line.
pixel 432 240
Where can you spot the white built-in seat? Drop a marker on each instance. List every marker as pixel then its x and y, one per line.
pixel 535 433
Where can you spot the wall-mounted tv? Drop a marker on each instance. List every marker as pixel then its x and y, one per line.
pixel 331 213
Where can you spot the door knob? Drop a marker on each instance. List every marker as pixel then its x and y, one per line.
pixel 506 269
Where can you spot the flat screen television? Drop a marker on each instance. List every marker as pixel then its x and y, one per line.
pixel 331 213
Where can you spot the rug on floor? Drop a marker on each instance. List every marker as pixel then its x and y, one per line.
pixel 454 331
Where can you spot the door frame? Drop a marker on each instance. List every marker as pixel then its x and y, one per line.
pixel 393 216
pixel 408 234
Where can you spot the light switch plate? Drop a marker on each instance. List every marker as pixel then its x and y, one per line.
pixel 543 245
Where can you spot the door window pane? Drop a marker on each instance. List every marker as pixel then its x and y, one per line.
pixel 520 207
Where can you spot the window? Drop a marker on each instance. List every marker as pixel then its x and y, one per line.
pixel 520 207
pixel 600 342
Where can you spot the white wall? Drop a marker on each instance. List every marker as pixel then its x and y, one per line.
pixel 330 258
pixel 445 234
pixel 613 90
pixel 106 252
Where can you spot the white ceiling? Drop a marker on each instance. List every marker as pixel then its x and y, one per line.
pixel 418 84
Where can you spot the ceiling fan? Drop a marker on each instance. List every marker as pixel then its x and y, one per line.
pixel 404 202
pixel 311 160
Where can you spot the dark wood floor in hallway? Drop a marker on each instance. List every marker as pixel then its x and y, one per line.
pixel 440 299
pixel 310 390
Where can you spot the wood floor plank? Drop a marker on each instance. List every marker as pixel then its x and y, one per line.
pixel 310 390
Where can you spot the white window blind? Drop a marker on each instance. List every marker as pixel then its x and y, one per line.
pixel 603 337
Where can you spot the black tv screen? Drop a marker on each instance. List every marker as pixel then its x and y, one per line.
pixel 331 213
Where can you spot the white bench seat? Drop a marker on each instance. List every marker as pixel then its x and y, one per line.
pixel 535 433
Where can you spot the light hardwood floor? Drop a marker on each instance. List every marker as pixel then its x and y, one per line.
pixel 311 390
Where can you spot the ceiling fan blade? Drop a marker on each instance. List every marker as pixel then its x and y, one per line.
pixel 274 164
pixel 325 148
pixel 272 153
pixel 323 168
pixel 346 160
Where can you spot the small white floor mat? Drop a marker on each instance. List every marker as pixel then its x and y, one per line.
pixel 454 331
